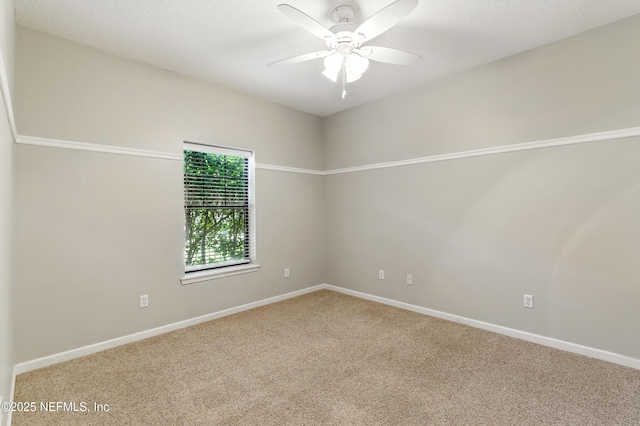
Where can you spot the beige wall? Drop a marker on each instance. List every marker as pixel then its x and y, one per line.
pixel 476 233
pixel 7 27
pixel 7 38
pixel 96 230
pixel 583 84
pixel 6 258
pixel 70 92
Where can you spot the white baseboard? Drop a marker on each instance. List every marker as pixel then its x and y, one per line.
pixel 523 335
pixel 24 367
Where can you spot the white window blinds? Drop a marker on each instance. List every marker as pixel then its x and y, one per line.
pixel 218 195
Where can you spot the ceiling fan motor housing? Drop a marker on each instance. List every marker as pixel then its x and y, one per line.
pixel 343 34
pixel 344 30
pixel 343 14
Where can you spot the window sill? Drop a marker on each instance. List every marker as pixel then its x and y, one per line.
pixel 213 274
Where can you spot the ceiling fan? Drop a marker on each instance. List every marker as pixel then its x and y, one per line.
pixel 345 58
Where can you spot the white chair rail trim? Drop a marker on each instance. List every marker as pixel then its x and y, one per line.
pixel 547 143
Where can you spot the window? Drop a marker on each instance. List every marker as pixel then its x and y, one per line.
pixel 219 231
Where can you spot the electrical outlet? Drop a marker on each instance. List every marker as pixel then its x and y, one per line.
pixel 286 272
pixel 144 300
pixel 409 279
pixel 528 301
pixel 381 274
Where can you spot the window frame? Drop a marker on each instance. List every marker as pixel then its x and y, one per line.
pixel 198 274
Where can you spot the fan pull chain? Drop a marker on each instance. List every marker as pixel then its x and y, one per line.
pixel 344 77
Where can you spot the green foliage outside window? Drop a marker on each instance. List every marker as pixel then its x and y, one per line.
pixel 216 208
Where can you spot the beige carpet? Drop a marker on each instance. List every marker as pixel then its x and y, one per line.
pixel 328 358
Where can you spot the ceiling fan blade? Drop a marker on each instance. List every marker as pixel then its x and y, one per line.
pixel 302 58
pixel 386 18
pixel 305 21
pixel 389 55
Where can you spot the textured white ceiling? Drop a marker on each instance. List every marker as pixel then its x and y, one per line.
pixel 230 43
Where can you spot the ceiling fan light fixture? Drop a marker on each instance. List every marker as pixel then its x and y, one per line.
pixel 333 62
pixel 358 63
pixel 354 66
pixel 352 76
pixel 331 75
